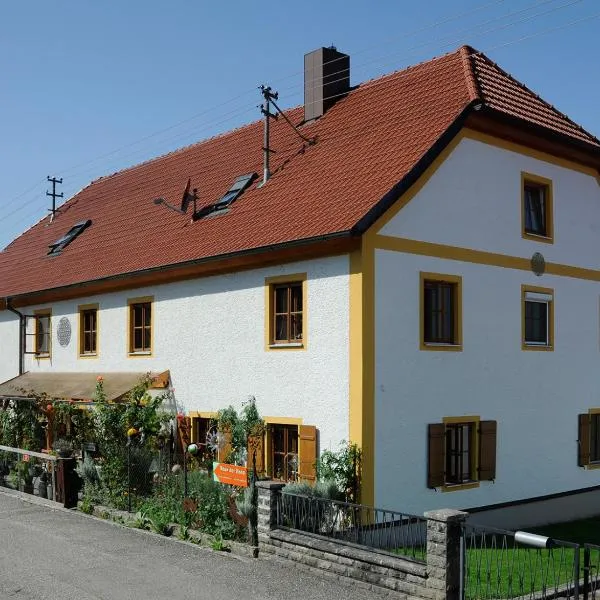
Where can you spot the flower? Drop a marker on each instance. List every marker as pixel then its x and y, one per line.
pixel 99 379
pixel 132 431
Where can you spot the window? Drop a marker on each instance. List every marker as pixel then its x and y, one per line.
pixel 66 239
pixel 462 452
pixel 286 311
pixel 88 330
pixel 589 439
pixel 140 326
pixel 537 209
pixel 204 428
pixel 291 450
pixel 538 318
pixel 43 333
pixel 441 312
pixel 284 452
pixel 237 188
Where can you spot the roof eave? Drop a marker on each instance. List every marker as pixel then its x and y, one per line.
pixel 128 280
pixel 540 130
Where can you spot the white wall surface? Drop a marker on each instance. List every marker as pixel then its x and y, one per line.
pixel 473 200
pixel 582 505
pixel 9 345
pixel 210 333
pixel 534 396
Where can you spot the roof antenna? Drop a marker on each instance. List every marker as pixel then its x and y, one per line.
pixel 269 97
pixel 185 200
pixel 54 195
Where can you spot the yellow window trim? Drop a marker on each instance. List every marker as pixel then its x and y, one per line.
pixel 283 420
pixel 548 198
pixel 43 312
pixel 533 347
pixel 130 352
pixel 269 283
pixel 469 485
pixel 194 414
pixel 80 310
pixel 458 344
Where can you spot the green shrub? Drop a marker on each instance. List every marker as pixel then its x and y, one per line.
pixel 343 467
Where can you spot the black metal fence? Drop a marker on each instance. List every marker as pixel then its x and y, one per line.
pixel 387 531
pixel 505 564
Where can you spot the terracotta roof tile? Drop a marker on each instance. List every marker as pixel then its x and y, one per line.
pixel 366 143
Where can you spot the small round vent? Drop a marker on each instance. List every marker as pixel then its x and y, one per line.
pixel 64 332
pixel 538 264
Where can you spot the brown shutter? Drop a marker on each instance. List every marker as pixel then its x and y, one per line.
pixel 225 446
pixel 256 448
pixel 487 450
pixel 184 427
pixel 436 442
pixel 583 441
pixel 308 453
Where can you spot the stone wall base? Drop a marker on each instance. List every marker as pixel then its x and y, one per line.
pixel 396 577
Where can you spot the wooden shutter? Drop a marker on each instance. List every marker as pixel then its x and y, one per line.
pixel 225 446
pixel 184 427
pixel 435 461
pixel 583 441
pixel 487 450
pixel 307 435
pixel 256 448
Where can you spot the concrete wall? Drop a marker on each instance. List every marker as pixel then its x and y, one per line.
pixel 210 333
pixel 474 201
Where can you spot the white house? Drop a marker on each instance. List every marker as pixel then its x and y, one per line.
pixel 419 277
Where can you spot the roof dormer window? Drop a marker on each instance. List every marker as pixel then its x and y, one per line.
pixel 66 239
pixel 233 193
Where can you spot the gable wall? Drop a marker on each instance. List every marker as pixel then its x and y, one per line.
pixel 473 201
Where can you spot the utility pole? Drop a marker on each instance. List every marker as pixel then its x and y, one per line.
pixel 268 95
pixel 54 195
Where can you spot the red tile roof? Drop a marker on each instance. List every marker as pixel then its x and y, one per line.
pixel 366 143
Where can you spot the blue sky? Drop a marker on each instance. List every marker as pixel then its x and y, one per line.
pixel 91 87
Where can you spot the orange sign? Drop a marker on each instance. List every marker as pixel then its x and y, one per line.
pixel 230 474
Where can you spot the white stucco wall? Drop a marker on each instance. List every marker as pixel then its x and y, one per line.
pixel 9 345
pixel 474 201
pixel 210 334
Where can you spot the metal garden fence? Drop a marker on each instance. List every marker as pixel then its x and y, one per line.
pixel 26 471
pixel 387 531
pixel 506 564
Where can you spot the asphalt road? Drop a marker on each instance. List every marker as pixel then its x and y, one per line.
pixel 63 555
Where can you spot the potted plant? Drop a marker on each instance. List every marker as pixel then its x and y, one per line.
pixel 26 476
pixel 63 448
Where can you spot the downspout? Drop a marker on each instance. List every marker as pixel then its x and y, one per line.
pixel 21 335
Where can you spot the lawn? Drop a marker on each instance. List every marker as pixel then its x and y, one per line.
pixel 500 570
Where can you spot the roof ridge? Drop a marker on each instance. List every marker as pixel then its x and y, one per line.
pixel 469 71
pixel 592 137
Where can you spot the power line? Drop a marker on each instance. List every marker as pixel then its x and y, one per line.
pixel 238 112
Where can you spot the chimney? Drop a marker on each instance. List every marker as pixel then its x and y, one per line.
pixel 326 80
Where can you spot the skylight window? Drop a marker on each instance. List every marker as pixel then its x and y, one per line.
pixel 232 194
pixel 66 239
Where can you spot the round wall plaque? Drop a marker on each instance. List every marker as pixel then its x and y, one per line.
pixel 64 332
pixel 538 264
